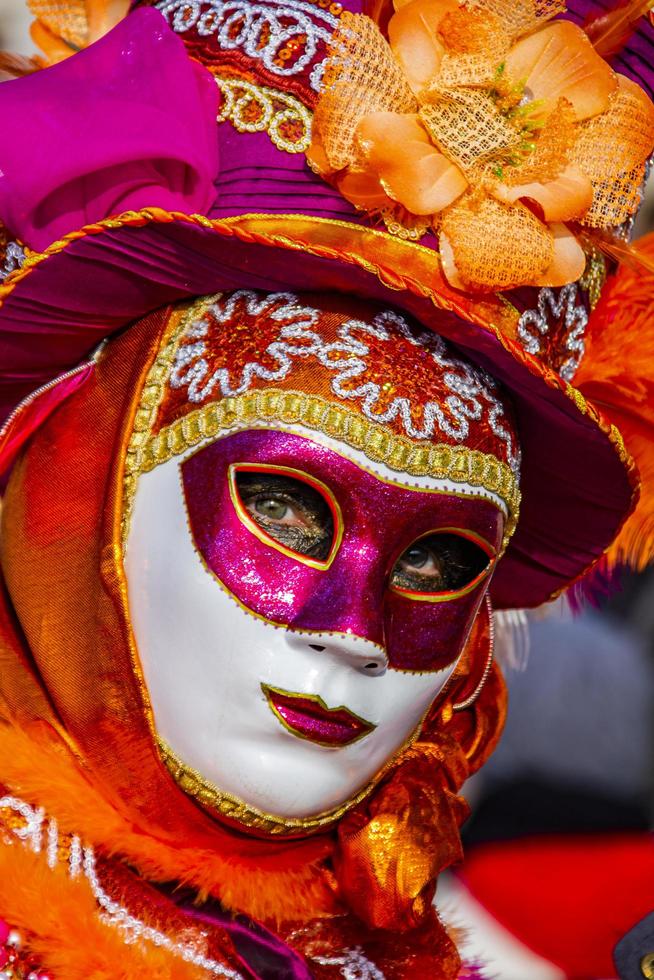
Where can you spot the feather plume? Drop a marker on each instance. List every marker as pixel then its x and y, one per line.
pixel 617 375
pixel 36 769
pixel 66 934
pixel 511 638
pixel 16 65
pixel 610 32
pixel 625 253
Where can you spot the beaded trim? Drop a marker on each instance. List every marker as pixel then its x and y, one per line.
pixel 457 463
pixel 267 32
pixel 14 258
pixel 354 965
pixel 535 325
pixel 348 359
pixel 256 108
pixel 440 461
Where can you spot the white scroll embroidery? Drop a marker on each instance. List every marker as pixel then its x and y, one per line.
pixel 473 391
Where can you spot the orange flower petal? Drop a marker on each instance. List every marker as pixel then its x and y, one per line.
pixel 448 262
pixel 567 197
pixel 616 199
pixel 102 15
pixel 494 245
pixel 362 77
pixel 569 259
pixel 412 34
pixel 619 139
pixel 54 48
pixel 560 62
pixel 364 190
pixel 393 128
pixel 411 170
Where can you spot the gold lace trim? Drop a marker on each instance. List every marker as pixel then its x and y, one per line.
pixel 255 108
pixel 456 463
pixel 193 784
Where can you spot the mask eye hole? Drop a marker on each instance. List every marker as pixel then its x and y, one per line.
pixel 442 565
pixel 289 510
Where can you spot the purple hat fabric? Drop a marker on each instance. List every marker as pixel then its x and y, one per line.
pixel 129 125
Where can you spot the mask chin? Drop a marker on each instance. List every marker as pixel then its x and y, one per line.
pixel 280 725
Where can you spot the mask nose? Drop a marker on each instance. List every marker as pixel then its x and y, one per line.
pixel 363 655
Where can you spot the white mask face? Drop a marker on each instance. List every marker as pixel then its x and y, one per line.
pixel 283 680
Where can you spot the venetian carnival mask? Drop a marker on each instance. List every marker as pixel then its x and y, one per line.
pixel 322 498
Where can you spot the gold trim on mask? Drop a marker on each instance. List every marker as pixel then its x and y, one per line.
pixel 145 451
pixel 270 691
pixel 440 461
pixel 206 793
pixel 250 523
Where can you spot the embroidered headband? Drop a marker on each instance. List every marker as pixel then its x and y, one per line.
pixel 355 371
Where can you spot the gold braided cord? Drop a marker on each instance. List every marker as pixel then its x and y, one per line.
pixel 195 785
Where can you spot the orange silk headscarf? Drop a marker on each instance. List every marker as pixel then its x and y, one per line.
pixel 67 660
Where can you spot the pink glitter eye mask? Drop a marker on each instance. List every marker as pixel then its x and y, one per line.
pixel 385 545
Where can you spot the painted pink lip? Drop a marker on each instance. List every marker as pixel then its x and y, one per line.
pixel 307 716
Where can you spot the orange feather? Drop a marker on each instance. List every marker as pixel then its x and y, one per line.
pixel 617 375
pixel 39 769
pixel 624 253
pixel 66 935
pixel 16 65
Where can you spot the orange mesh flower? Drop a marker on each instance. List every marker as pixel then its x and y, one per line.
pixel 64 26
pixel 489 123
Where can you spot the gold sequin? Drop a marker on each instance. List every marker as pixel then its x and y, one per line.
pixel 195 785
pixel 647 966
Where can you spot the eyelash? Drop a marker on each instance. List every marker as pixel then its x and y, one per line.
pixel 259 529
pixel 446 595
pixel 259 524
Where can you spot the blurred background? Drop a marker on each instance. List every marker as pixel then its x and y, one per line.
pixel 559 854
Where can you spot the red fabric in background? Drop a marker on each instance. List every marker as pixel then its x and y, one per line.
pixel 569 899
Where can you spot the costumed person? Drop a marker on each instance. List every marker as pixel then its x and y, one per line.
pixel 294 300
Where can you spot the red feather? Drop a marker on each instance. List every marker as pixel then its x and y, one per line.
pixel 610 32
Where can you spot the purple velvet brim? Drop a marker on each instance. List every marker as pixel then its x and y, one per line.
pixel 575 488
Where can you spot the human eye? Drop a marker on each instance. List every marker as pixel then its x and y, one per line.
pixel 444 562
pixel 288 510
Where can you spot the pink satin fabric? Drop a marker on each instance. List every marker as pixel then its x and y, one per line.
pixel 107 142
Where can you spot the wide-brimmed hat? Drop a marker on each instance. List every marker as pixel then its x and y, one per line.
pixel 168 160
